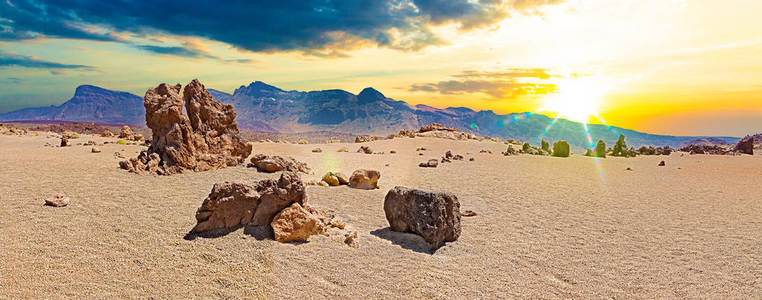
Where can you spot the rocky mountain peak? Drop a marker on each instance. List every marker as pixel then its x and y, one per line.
pixel 370 94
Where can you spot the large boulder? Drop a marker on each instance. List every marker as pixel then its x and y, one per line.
pixel 234 204
pixel 206 139
pixel 295 224
pixel 435 216
pixel 270 164
pixel 364 179
pixel 746 145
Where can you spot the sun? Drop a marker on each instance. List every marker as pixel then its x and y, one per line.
pixel 577 99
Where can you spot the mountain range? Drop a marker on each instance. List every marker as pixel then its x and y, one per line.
pixel 263 107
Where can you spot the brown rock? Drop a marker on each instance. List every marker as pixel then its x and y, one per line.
pixel 364 179
pixel 234 204
pixel 65 142
pixel 343 149
pixel 206 139
pixel 662 163
pixel 350 238
pixel 270 164
pixel 746 145
pixel 365 149
pixel 331 179
pixel 294 224
pixel 57 200
pixel 432 163
pixel 107 133
pixel 95 150
pixel 341 177
pixel 433 215
pixel 126 133
pixel 317 150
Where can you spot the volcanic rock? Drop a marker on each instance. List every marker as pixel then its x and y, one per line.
pixel 365 149
pixel 206 139
pixel 746 145
pixel 126 133
pixel 270 164
pixel 433 215
pixel 57 200
pixel 294 224
pixel 364 179
pixel 234 204
pixel 432 163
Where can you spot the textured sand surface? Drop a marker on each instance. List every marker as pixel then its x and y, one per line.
pixel 546 227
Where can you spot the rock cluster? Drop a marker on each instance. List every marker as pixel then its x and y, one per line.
pixel 435 216
pixel 206 139
pixel 335 179
pixel 8 130
pixel 234 204
pixel 440 131
pixel 449 157
pixel 271 164
pixel 365 138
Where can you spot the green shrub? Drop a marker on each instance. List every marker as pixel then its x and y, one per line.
pixel 589 152
pixel 600 149
pixel 545 146
pixel 561 149
pixel 526 148
pixel 121 142
pixel 620 148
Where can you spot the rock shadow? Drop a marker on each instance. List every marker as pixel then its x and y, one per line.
pixel 211 234
pixel 405 240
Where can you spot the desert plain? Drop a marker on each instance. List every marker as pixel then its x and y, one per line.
pixel 546 227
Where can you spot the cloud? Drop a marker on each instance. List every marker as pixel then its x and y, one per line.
pixel 175 50
pixel 509 84
pixel 318 27
pixel 9 59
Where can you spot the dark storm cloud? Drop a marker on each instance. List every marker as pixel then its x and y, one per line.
pixel 176 51
pixel 9 59
pixel 508 84
pixel 305 25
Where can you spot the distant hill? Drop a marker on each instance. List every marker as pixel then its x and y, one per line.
pixel 89 104
pixel 263 107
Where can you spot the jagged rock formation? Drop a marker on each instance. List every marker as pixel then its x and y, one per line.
pixel 746 145
pixel 440 131
pixel 234 204
pixel 206 139
pixel 433 215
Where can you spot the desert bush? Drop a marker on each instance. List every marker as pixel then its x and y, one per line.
pixel 545 146
pixel 526 148
pixel 70 135
pixel 561 149
pixel 121 142
pixel 589 152
pixel 600 149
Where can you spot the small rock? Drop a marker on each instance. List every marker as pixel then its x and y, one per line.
pixel 341 177
pixel 343 149
pixel 364 179
pixel 628 169
pixel 392 151
pixel 65 142
pixel 468 213
pixel 95 150
pixel 365 149
pixel 323 183
pixel 331 179
pixel 57 200
pixel 471 159
pixel 317 150
pixel 350 238
pixel 662 163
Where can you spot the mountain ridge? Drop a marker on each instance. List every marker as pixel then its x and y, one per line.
pixel 263 107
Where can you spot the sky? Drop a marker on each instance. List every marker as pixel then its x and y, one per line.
pixel 679 67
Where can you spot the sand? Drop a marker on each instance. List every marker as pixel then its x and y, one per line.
pixel 546 227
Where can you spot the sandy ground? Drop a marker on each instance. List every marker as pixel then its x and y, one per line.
pixel 546 227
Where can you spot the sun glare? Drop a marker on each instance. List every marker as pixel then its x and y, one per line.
pixel 577 98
